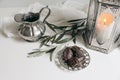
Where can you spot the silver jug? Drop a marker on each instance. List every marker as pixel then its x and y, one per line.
pixel 31 28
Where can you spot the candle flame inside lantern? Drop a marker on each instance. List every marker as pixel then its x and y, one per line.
pixel 105 19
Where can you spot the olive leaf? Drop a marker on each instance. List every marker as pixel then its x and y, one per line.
pixel 77 20
pixel 54 27
pixel 50 26
pixel 53 39
pixel 64 40
pixel 82 23
pixel 74 40
pixel 35 53
pixel 43 37
pixel 61 27
pixel 81 27
pixel 51 56
pixel 44 40
pixel 51 52
pixel 60 36
pixel 42 43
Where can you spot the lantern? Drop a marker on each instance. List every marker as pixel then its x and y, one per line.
pixel 103 25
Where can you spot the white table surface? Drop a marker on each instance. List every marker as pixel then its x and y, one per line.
pixel 14 64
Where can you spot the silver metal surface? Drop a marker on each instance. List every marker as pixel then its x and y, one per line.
pixel 31 28
pixel 31 31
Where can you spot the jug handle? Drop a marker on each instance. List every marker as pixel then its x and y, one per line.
pixel 49 11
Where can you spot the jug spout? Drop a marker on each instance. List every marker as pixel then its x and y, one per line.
pixel 19 17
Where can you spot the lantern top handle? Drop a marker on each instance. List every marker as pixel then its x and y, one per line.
pixel 110 1
pixel 113 2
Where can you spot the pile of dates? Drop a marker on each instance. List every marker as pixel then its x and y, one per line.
pixel 74 57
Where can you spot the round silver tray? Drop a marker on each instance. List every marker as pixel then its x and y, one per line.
pixel 62 65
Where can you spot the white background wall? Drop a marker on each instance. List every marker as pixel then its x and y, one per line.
pixel 22 3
